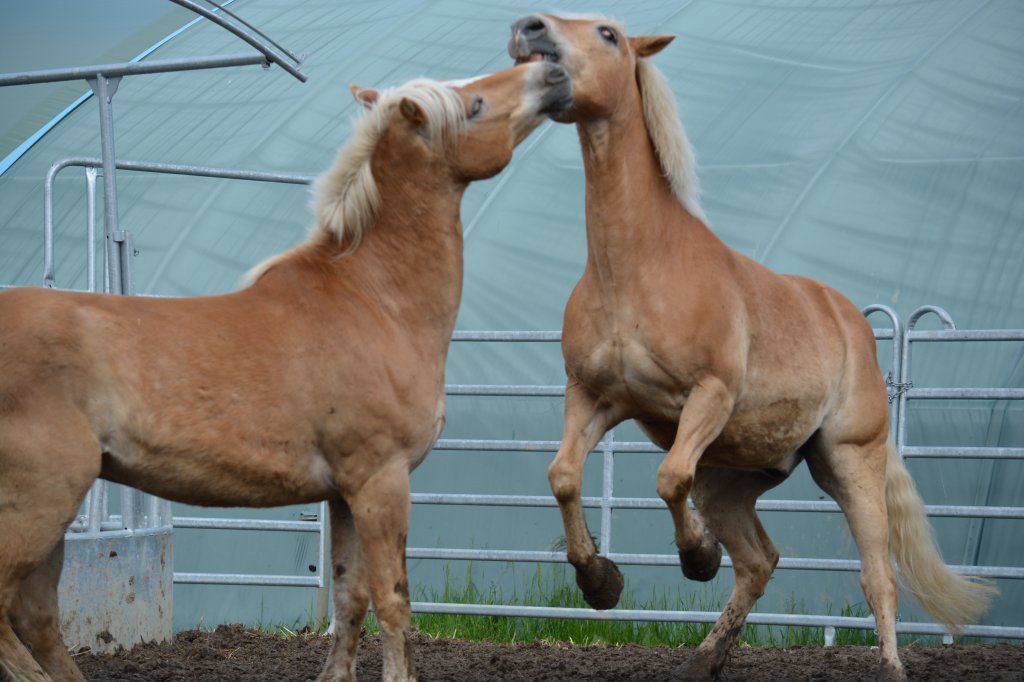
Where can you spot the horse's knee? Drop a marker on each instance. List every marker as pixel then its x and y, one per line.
pixel 565 481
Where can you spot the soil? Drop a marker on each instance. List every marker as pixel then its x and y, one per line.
pixel 234 653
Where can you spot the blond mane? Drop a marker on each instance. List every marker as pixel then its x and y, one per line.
pixel 671 146
pixel 345 196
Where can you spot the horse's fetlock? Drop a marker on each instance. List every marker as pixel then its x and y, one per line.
pixel 673 487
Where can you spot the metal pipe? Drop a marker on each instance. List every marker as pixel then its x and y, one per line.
pixel 104 88
pixel 607 492
pixel 261 34
pixel 90 226
pixel 118 69
pixel 245 524
pixel 245 579
pixel 270 54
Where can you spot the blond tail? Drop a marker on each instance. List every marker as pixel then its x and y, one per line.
pixel 950 598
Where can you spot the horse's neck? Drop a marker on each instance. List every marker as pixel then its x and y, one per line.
pixel 415 248
pixel 633 217
pixel 408 266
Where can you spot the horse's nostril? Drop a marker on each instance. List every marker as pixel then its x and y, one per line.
pixel 555 74
pixel 534 26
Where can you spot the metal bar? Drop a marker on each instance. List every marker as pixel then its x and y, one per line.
pixel 90 227
pixel 504 390
pixel 466 499
pixel 104 88
pixel 271 55
pixel 896 334
pixel 607 484
pixel 324 546
pixel 245 579
pixel 534 445
pixel 245 524
pixel 118 69
pixel 631 559
pixel 967 335
pixel 187 169
pixel 966 393
pixel 142 166
pixel 963 452
pixel 706 617
pixel 507 336
pixel 261 34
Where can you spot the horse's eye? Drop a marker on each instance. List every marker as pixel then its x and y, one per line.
pixel 609 35
pixel 478 106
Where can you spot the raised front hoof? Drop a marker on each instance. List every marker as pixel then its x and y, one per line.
pixel 601 583
pixel 701 564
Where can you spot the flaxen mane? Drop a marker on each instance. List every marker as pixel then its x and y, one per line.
pixel 671 145
pixel 345 196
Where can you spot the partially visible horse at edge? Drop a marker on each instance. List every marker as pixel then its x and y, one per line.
pixel 738 372
pixel 322 379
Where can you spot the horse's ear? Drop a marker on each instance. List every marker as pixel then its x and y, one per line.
pixel 647 46
pixel 366 97
pixel 412 112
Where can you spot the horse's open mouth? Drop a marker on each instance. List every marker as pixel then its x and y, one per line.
pixel 538 56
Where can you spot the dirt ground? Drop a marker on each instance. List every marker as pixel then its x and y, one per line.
pixel 233 653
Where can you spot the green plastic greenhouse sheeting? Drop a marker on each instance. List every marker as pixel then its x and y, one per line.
pixel 878 147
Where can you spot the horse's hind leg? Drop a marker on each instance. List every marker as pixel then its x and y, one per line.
pixel 351 595
pixel 36 621
pixel 854 476
pixel 725 498
pixel 46 467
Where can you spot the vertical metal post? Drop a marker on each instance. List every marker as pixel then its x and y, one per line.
pixel 97 506
pixel 323 549
pixel 830 636
pixel 104 89
pixel 607 483
pixel 90 227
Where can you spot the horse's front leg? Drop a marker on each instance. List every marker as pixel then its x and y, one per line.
pixel 381 512
pixel 351 595
pixel 586 421
pixel 705 414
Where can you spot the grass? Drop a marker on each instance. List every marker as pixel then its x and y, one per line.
pixel 555 588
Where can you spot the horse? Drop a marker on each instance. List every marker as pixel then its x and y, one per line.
pixel 738 372
pixel 323 379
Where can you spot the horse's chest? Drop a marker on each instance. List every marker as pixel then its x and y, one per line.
pixel 627 372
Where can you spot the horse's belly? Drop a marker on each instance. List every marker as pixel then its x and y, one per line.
pixel 765 437
pixel 219 477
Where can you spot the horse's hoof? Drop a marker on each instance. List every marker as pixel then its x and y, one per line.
pixel 890 673
pixel 700 667
pixel 601 583
pixel 701 564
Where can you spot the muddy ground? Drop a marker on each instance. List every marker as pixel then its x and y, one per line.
pixel 233 653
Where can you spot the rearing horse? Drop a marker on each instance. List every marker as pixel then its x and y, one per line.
pixel 323 379
pixel 740 373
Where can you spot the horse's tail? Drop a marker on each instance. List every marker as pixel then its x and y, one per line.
pixel 950 598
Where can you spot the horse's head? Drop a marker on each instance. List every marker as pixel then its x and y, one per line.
pixel 470 127
pixel 595 51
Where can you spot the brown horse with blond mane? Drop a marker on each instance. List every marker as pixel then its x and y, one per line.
pixel 738 372
pixel 323 379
